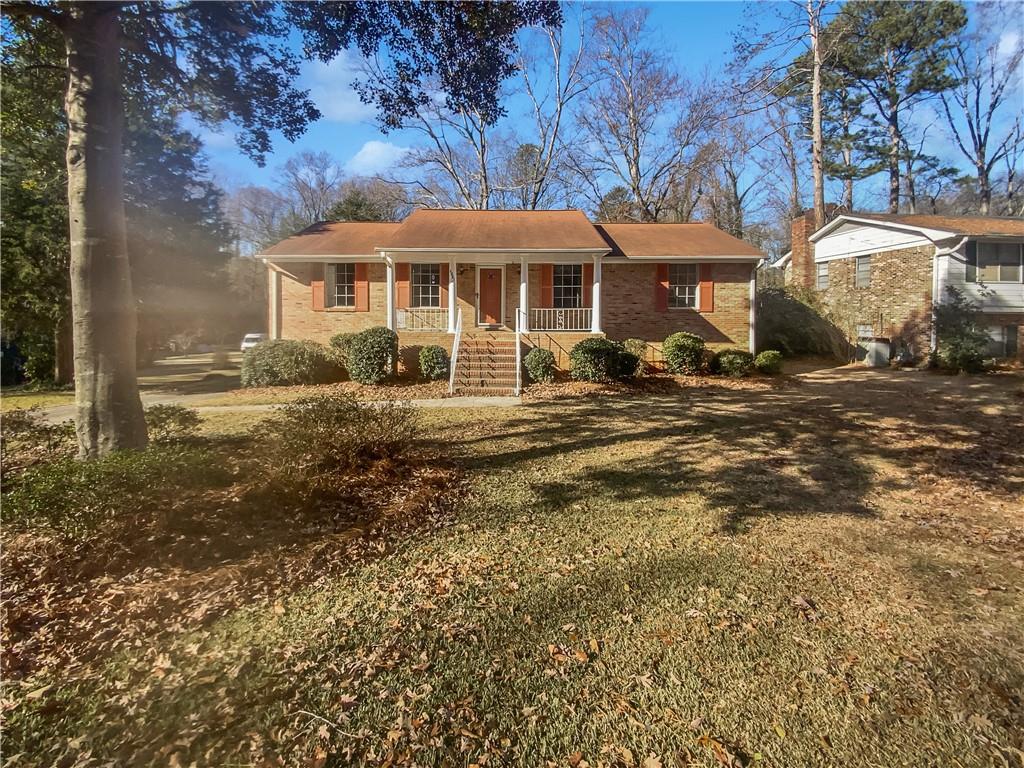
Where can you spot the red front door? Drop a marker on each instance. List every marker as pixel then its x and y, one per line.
pixel 490 296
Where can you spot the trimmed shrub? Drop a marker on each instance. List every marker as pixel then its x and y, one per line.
pixel 683 353
pixel 540 364
pixel 340 343
pixel 733 362
pixel 316 438
pixel 372 355
pixel 75 497
pixel 434 363
pixel 769 362
pixel 284 362
pixel 638 347
pixel 171 422
pixel 601 360
pixel 963 341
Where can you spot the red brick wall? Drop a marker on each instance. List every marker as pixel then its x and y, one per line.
pixel 299 321
pixel 628 308
pixel 897 304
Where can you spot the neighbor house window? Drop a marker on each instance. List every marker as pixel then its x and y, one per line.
pixel 863 276
pixel 994 262
pixel 682 285
pixel 865 331
pixel 341 285
pixel 567 286
pixel 425 285
pixel 823 276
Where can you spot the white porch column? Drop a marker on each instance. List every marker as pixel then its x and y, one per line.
pixel 390 291
pixel 595 316
pixel 524 293
pixel 453 299
pixel 275 301
pixel 753 311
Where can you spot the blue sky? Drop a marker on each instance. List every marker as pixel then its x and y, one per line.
pixel 698 34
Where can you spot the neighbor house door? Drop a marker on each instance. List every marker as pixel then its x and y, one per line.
pixel 490 291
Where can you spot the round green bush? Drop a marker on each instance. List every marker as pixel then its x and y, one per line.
pixel 540 364
pixel 171 422
pixel 683 353
pixel 284 362
pixel 340 342
pixel 733 362
pixel 372 355
pixel 434 363
pixel 769 362
pixel 601 360
pixel 637 347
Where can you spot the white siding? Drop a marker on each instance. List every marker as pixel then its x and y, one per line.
pixel 991 297
pixel 853 239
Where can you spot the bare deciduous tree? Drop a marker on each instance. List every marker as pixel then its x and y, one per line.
pixel 641 122
pixel 988 81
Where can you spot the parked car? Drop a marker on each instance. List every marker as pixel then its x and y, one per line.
pixel 252 339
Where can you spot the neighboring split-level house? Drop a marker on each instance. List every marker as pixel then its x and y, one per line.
pixel 880 274
pixel 553 275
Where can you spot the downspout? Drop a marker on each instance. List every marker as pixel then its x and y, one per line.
pixel 935 286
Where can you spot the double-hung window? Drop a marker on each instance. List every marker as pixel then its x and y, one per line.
pixel 567 286
pixel 822 283
pixel 425 285
pixel 863 272
pixel 341 285
pixel 994 262
pixel 682 285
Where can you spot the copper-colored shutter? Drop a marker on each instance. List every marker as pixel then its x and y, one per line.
pixel 402 285
pixel 588 285
pixel 443 279
pixel 707 288
pixel 362 287
pixel 661 288
pixel 317 284
pixel 547 281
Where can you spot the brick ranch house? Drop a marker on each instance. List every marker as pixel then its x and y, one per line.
pixel 880 274
pixel 554 276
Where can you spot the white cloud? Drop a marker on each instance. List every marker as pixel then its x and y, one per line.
pixel 330 87
pixel 374 157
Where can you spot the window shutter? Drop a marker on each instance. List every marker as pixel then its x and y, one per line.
pixel 402 285
pixel 547 289
pixel 971 275
pixel 443 279
pixel 661 288
pixel 706 298
pixel 317 284
pixel 362 287
pixel 588 285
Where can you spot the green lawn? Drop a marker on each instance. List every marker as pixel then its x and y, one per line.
pixel 824 573
pixel 17 399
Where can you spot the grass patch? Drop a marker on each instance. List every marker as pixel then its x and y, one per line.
pixel 683 578
pixel 17 399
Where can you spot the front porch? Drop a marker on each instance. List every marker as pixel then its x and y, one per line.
pixel 425 295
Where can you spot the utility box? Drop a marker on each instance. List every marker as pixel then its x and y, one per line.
pixel 875 351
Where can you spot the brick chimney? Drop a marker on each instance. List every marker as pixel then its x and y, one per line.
pixel 803 251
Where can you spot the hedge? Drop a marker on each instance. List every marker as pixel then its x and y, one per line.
pixel 372 355
pixel 733 362
pixel 285 362
pixel 434 363
pixel 683 353
pixel 769 362
pixel 540 364
pixel 601 360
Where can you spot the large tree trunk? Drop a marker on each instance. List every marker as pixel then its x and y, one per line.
pixel 894 165
pixel 109 413
pixel 816 139
pixel 984 190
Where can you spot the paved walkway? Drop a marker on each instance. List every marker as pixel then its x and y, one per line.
pixel 59 413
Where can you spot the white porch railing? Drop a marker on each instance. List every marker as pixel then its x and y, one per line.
pixel 576 319
pixel 423 319
pixel 455 352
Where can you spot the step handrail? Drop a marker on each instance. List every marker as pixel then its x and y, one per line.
pixel 519 351
pixel 455 352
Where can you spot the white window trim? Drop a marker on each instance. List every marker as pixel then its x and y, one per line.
pixel 858 260
pixel 817 276
pixel 583 286
pixel 412 292
pixel 977 267
pixel 696 288
pixel 330 286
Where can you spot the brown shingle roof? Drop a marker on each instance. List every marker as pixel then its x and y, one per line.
pixel 642 241
pixel 959 225
pixel 335 238
pixel 496 230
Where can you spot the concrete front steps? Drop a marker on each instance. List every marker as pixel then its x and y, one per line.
pixel 486 365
